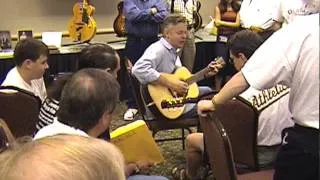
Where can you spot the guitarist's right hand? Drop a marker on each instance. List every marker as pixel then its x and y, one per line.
pixel 178 86
pixel 173 83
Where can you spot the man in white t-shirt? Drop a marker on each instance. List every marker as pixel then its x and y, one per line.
pixel 271 103
pixel 289 57
pixel 30 58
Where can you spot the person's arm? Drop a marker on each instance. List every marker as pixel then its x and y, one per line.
pixel 162 11
pixel 133 13
pixel 234 87
pixel 132 168
pixel 218 22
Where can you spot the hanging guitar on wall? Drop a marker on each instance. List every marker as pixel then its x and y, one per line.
pixel 119 22
pixel 197 17
pixel 82 27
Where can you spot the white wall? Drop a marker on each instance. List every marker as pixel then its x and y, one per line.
pixel 53 15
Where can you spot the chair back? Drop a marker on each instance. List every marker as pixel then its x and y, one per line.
pixel 6 136
pixel 240 120
pixel 218 148
pixel 136 89
pixel 20 109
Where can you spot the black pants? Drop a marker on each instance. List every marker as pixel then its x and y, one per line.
pixel 298 158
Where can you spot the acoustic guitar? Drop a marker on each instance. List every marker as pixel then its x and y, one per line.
pixel 197 17
pixel 119 22
pixel 155 95
pixel 82 27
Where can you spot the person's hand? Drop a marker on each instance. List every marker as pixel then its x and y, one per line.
pixel 154 10
pixel 214 68
pixel 217 23
pixel 256 29
pixel 205 106
pixel 144 164
pixel 178 86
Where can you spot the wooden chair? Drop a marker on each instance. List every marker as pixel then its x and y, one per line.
pixel 220 152
pixel 159 123
pixel 240 120
pixel 6 136
pixel 19 109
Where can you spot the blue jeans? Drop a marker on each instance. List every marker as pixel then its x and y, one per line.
pixel 145 177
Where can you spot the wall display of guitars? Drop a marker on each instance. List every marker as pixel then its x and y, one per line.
pixel 119 22
pixel 82 27
pixel 197 17
pixel 164 102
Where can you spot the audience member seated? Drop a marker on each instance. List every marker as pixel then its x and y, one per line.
pixel 30 58
pixel 98 56
pixel 272 120
pixel 87 102
pixel 62 157
pixel 161 59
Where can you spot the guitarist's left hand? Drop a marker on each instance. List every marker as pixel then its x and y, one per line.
pixel 214 68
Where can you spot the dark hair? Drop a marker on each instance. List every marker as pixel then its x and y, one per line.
pixel 223 6
pixel 245 42
pixel 98 55
pixel 86 97
pixel 29 48
pixel 173 19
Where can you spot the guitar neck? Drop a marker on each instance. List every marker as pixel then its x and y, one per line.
pixel 198 76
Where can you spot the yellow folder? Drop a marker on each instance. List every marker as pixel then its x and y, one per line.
pixel 136 143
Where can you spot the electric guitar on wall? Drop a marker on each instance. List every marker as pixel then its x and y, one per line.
pixel 197 17
pixel 82 27
pixel 119 22
pixel 156 95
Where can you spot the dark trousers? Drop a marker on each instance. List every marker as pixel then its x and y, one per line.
pixel 135 47
pixel 298 158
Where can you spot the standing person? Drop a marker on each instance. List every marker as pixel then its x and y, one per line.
pixel 227 21
pixel 260 16
pixel 272 119
pixel 30 58
pixel 186 8
pixel 143 19
pixel 86 106
pixel 295 63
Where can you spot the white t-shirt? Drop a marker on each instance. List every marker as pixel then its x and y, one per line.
pixel 37 86
pixel 274 113
pixel 291 57
pixel 260 13
pixel 58 128
pixel 292 8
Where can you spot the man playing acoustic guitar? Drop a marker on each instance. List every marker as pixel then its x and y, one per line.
pixel 161 59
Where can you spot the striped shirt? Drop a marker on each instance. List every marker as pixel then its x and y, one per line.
pixel 48 113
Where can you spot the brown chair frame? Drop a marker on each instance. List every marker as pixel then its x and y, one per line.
pixel 240 120
pixel 20 110
pixel 219 150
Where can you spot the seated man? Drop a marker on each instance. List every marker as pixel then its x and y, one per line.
pixel 30 58
pixel 272 119
pixel 63 157
pixel 99 56
pixel 161 59
pixel 87 102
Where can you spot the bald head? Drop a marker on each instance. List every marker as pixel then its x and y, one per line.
pixel 63 157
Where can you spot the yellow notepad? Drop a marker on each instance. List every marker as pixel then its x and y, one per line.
pixel 136 143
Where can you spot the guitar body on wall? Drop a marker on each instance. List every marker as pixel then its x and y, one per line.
pixel 156 95
pixel 119 22
pixel 82 27
pixel 197 17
